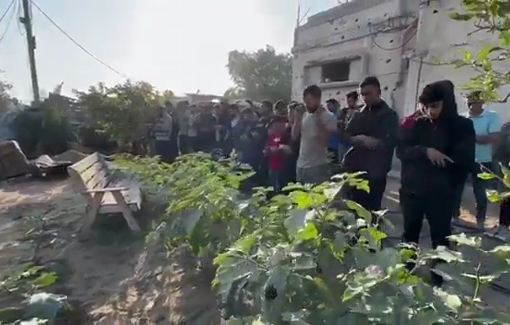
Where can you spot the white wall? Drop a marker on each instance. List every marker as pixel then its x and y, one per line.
pixel 440 36
pixel 353 35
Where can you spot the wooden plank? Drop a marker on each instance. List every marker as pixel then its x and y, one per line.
pixel 93 170
pixel 133 197
pixel 126 212
pixel 97 176
pixel 78 185
pixel 92 214
pixel 86 162
pixel 88 174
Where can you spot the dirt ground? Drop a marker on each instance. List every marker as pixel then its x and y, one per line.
pixel 112 277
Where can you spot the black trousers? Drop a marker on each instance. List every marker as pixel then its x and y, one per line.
pixel 436 208
pixel 371 200
pixel 504 213
pixel 184 144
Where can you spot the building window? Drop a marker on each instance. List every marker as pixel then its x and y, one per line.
pixel 336 71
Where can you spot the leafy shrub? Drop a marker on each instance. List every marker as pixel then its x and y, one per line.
pixel 97 141
pixel 27 129
pixel 44 130
pixel 123 111
pixel 299 259
pixel 56 132
pixel 38 307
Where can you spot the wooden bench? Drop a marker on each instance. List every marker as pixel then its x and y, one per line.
pixel 104 192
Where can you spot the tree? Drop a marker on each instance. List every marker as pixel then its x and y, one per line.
pixel 259 75
pixel 492 72
pixel 123 112
pixel 5 97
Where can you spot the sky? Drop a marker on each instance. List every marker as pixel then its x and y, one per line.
pixel 180 45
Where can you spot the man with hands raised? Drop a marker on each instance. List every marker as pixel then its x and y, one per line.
pixel 312 128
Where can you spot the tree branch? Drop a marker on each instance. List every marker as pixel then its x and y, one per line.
pixel 504 100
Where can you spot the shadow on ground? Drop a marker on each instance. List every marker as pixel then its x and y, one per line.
pixel 112 277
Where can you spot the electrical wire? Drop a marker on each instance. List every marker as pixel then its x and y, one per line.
pixel 76 43
pixel 304 16
pixel 20 15
pixel 7 10
pixel 9 21
pixel 397 47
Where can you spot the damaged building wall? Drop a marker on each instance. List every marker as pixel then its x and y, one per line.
pixel 395 40
pixel 441 37
pixel 362 37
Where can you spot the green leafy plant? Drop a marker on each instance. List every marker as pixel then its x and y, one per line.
pixel 122 112
pixel 489 63
pixel 38 307
pixel 309 257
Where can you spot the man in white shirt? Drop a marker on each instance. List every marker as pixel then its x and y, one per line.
pixel 313 129
pixel 192 128
pixel 183 116
pixel 162 131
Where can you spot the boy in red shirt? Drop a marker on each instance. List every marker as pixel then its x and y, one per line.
pixel 277 147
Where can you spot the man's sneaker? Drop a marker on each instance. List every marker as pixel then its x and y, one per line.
pixel 458 222
pixel 503 234
pixel 493 232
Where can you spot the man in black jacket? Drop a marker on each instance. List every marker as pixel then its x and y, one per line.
pixel 436 149
pixel 371 134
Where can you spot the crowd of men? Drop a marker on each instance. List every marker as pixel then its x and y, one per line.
pixel 307 142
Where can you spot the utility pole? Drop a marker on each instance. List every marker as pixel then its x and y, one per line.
pixel 27 21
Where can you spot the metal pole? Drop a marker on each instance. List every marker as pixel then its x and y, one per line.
pixel 27 21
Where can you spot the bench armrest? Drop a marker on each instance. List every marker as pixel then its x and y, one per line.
pixel 108 189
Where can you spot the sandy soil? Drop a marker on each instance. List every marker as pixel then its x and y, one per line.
pixel 113 277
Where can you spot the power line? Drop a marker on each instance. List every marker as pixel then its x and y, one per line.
pixel 7 10
pixel 9 21
pixel 397 47
pixel 304 16
pixel 20 15
pixel 76 43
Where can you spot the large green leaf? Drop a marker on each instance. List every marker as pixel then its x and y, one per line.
pixel 296 221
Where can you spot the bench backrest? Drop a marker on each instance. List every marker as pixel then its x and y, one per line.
pixel 89 173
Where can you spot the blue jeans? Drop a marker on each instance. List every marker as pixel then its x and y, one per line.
pixel 479 189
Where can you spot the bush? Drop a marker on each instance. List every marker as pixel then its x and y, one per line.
pixel 44 130
pixel 98 141
pixel 295 259
pixel 56 133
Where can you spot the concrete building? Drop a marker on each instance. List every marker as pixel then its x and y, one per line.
pixel 395 40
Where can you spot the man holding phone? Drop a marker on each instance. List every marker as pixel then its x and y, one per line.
pixel 312 128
